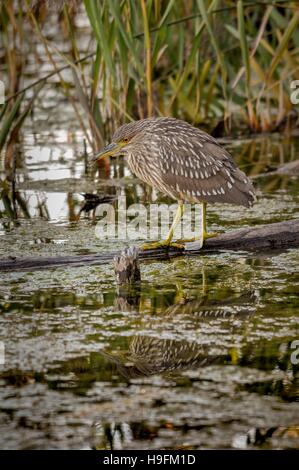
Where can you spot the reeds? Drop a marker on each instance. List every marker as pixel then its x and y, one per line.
pixel 203 61
pixel 14 112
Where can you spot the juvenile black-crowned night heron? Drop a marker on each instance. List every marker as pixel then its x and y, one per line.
pixel 183 162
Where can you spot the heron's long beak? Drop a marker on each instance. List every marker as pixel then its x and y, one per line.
pixel 107 151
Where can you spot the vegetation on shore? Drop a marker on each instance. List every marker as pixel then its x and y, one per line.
pixel 213 63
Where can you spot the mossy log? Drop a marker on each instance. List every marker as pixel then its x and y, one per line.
pixel 260 238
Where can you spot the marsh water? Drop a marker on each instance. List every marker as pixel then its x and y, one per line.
pixel 202 355
pixel 199 357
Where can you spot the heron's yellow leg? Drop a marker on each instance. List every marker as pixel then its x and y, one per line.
pixel 168 241
pixel 204 234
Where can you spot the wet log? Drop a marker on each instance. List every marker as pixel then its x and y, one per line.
pixel 128 280
pixel 126 266
pixel 291 168
pixel 287 169
pixel 261 238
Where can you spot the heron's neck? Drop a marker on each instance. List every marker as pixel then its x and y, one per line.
pixel 139 164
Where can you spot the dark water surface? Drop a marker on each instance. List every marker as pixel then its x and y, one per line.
pixel 199 357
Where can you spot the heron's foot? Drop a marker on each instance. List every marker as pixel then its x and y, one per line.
pixel 162 244
pixel 187 240
pixel 207 235
pixel 202 238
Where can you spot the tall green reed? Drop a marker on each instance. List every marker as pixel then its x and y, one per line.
pixel 204 61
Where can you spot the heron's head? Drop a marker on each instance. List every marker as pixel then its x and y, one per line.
pixel 126 138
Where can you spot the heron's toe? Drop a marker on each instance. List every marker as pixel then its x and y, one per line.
pixel 187 240
pixel 162 244
pixel 207 235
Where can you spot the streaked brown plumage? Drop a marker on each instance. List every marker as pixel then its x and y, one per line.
pixel 181 161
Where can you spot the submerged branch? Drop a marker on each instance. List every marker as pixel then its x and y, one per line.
pixel 290 169
pixel 261 238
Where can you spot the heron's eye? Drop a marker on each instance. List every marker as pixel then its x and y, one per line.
pixel 126 139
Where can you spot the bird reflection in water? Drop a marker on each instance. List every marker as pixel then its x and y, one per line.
pixel 148 355
pixel 129 299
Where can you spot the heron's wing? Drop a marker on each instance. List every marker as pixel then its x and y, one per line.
pixel 197 168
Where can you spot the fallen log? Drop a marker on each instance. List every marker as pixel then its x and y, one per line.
pixel 287 169
pixel 291 168
pixel 261 238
